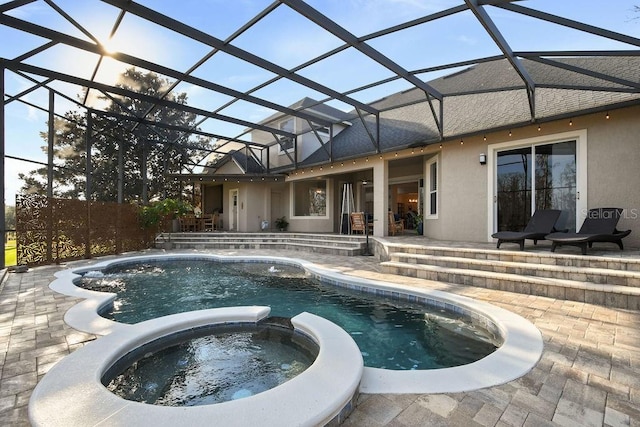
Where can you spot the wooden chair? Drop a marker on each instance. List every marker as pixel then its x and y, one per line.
pixel 188 223
pixel 357 222
pixel 207 223
pixel 395 226
pixel 217 221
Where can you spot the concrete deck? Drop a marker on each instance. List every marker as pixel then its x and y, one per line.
pixel 589 374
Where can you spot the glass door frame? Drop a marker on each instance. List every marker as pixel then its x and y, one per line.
pixel 579 136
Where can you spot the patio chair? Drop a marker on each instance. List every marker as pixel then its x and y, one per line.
pixel 188 223
pixel 539 226
pixel 357 222
pixel 395 226
pixel 599 226
pixel 207 223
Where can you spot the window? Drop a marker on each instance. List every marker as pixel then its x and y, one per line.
pixel 323 131
pixel 310 198
pixel 432 188
pixel 286 144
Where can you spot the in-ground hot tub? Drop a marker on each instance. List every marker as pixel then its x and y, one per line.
pixel 212 364
pixel 72 392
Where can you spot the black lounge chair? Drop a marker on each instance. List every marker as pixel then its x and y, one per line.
pixel 541 224
pixel 599 226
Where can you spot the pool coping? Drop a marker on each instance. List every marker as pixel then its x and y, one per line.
pixel 520 351
pixel 71 393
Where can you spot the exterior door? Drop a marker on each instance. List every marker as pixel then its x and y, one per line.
pixel 540 176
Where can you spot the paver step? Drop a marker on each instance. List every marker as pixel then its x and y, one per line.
pixel 538 257
pixel 258 237
pixel 326 244
pixel 627 297
pixel 235 241
pixel 580 274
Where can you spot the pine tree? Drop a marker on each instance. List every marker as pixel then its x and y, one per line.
pixel 166 150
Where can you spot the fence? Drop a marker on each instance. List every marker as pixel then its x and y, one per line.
pixel 52 231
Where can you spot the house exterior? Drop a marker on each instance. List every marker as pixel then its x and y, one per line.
pixel 500 152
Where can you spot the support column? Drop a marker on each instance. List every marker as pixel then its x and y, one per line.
pixel 143 172
pixel 88 185
pixel 121 172
pixel 3 231
pixel 88 171
pixel 50 140
pixel 165 164
pixel 381 198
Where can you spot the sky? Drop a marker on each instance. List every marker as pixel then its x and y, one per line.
pixel 283 37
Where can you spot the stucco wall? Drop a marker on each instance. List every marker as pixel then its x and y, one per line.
pixel 463 186
pixel 613 174
pixel 255 206
pixel 614 166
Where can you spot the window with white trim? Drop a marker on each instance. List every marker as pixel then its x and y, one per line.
pixel 310 198
pixel 432 188
pixel 287 144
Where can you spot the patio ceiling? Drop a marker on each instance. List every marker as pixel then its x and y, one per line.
pixel 250 61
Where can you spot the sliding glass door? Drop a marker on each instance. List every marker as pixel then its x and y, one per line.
pixel 514 188
pixel 536 177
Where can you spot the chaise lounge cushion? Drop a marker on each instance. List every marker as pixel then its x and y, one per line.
pixel 541 223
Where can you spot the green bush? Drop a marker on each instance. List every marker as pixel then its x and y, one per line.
pixel 150 215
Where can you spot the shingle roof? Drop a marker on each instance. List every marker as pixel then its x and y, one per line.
pixel 311 106
pixel 487 96
pixel 246 163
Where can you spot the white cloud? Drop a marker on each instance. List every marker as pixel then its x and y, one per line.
pixel 32 114
pixel 467 40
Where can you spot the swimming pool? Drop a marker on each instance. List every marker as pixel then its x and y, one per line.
pixel 520 350
pixel 392 333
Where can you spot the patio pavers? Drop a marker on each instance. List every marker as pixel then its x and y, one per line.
pixel 589 373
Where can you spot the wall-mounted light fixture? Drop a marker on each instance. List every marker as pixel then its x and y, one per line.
pixel 483 159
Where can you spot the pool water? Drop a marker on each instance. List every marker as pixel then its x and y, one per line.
pixel 390 334
pixel 211 365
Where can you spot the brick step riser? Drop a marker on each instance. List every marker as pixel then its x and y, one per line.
pixel 528 258
pixel 263 241
pixel 352 251
pixel 604 298
pixel 249 236
pixel 533 271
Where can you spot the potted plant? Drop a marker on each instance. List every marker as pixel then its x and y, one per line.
pixel 419 224
pixel 282 223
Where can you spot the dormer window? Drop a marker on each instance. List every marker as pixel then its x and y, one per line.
pixel 287 144
pixel 323 131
